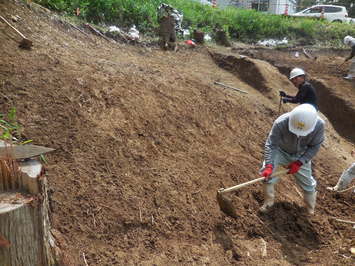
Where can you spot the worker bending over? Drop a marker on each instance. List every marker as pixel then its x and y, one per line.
pixel 295 138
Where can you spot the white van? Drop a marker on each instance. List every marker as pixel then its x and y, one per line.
pixel 331 13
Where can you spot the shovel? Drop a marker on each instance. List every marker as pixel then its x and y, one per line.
pixel 25 43
pixel 21 152
pixel 226 205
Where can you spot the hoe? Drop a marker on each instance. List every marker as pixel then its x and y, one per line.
pixel 225 203
pixel 25 43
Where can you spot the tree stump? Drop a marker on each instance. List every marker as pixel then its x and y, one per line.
pixel 25 237
pixel 221 38
pixel 198 36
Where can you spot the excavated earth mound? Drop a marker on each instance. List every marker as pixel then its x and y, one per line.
pixel 143 142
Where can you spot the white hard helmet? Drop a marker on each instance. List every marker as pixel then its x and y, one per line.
pixel 302 119
pixel 296 72
pixel 347 40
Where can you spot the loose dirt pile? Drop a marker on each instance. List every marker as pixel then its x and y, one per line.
pixel 144 140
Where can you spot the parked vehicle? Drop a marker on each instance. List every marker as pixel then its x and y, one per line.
pixel 206 2
pixel 331 13
pixel 350 20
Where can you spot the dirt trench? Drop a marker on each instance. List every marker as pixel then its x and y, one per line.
pixel 242 67
pixel 339 111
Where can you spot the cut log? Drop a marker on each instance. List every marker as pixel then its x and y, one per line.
pixel 25 237
pixel 221 38
pixel 198 36
pixel 24 223
pixel 22 176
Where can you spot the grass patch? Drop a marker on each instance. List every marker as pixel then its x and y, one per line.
pixel 245 25
pixel 9 127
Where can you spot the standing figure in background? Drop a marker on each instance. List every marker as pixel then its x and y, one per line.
pixel 350 41
pixel 169 20
pixel 306 92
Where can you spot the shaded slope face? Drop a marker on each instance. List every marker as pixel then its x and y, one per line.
pixel 143 143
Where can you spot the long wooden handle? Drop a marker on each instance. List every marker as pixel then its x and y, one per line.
pixel 229 87
pixel 276 173
pixel 23 36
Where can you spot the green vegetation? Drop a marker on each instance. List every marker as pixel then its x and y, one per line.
pixel 8 125
pixel 246 25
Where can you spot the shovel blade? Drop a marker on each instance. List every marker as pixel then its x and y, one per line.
pixel 20 152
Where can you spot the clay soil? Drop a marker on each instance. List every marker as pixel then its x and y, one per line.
pixel 144 140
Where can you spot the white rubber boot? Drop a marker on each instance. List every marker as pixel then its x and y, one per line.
pixel 310 201
pixel 269 197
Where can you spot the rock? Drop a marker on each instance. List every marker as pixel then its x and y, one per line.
pixel 15 18
pixel 229 254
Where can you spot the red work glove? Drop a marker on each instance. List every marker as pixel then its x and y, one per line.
pixel 294 167
pixel 267 171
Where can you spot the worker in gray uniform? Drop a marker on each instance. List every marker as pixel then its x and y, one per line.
pixel 295 138
pixel 350 41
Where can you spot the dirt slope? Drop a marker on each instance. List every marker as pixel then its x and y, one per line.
pixel 144 140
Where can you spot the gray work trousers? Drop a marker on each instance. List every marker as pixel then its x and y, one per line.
pixel 303 177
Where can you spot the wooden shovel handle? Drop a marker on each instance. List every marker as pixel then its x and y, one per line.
pixel 23 36
pixel 276 173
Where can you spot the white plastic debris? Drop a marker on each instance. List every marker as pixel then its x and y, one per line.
pixel 272 42
pixel 207 38
pixel 186 33
pixel 297 54
pixel 114 29
pixel 133 33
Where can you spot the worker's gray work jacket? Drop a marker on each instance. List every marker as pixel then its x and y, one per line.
pixel 304 148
